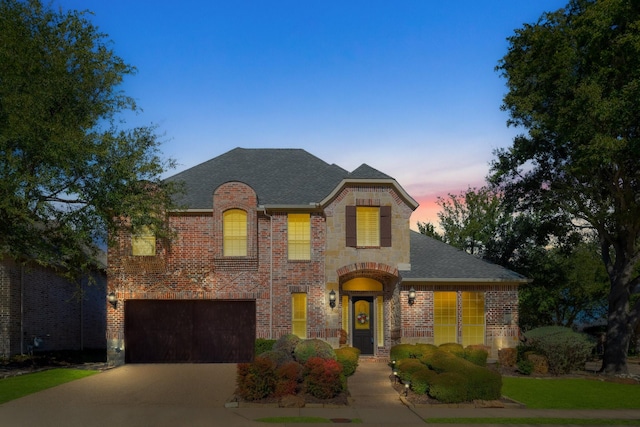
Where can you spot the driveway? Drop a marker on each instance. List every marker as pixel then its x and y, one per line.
pixel 132 395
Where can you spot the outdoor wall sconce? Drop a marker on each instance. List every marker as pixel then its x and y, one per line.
pixel 113 300
pixel 412 296
pixel 332 299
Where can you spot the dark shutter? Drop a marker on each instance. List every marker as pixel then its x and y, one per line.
pixel 350 220
pixel 385 226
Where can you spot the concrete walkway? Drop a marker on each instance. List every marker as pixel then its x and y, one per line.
pixel 194 395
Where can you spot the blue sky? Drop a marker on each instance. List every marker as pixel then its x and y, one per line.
pixel 407 87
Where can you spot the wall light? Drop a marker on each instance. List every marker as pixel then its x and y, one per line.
pixel 412 296
pixel 332 299
pixel 113 300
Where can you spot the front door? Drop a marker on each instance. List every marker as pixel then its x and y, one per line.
pixel 362 332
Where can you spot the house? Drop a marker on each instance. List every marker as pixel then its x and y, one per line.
pixel 42 311
pixel 277 241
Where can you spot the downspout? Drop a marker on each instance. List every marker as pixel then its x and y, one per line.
pixel 270 273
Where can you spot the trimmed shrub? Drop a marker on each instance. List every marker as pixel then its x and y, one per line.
pixel 539 363
pixel 402 351
pixel 279 357
pixel 443 361
pixel 323 377
pixel 256 380
pixel 508 356
pixel 477 354
pixel 289 376
pixel 407 367
pixel 307 349
pixel 263 345
pixel 348 358
pixel 525 367
pixel 449 387
pixel 287 343
pixel 421 380
pixel 564 349
pixel 483 384
pixel 452 347
pixel 422 350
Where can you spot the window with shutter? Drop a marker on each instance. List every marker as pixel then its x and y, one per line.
pixel 368 226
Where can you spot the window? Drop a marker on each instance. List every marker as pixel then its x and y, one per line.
pixel 368 226
pixel 445 323
pixel 299 235
pixel 473 318
pixel 234 230
pixel 380 321
pixel 299 315
pixel 143 242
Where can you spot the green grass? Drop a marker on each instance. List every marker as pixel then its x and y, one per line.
pixel 571 393
pixel 534 421
pixel 302 420
pixel 15 387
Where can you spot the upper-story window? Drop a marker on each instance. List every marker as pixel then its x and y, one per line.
pixel 234 230
pixel 368 226
pixel 299 236
pixel 143 242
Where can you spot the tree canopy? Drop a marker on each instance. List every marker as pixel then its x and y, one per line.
pixel 573 82
pixel 69 169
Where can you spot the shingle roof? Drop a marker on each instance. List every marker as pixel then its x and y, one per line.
pixel 432 259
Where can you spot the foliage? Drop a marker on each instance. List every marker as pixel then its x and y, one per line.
pixel 68 172
pixel 289 376
pixel 348 358
pixel 525 366
pixel 421 379
pixel 309 348
pixel 453 348
pixel 402 351
pixel 287 343
pixel 278 357
pixel 428 229
pixel 22 385
pixel 406 368
pixel 263 345
pixel 323 377
pixel 507 356
pixel 256 380
pixel 573 82
pixel 564 349
pixel 449 387
pixel 477 355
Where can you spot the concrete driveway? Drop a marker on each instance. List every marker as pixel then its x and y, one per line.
pixel 133 395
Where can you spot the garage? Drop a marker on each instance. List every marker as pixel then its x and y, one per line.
pixel 189 331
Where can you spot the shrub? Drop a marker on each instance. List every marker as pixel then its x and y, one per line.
pixel 323 377
pixel 564 349
pixel 402 351
pixel 477 355
pixel 449 387
pixel 307 349
pixel 407 367
pixel 508 356
pixel 263 345
pixel 289 376
pixel 483 384
pixel 287 343
pixel 539 363
pixel 442 361
pixel 279 357
pixel 525 367
pixel 348 358
pixel 422 350
pixel 256 380
pixel 452 347
pixel 421 380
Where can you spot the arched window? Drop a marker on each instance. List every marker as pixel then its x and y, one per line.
pixel 234 230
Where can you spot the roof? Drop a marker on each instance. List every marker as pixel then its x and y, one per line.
pixel 278 176
pixel 433 260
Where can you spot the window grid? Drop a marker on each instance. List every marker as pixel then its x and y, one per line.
pixel 299 236
pixel 368 226
pixel 473 318
pixel 299 315
pixel 444 317
pixel 234 229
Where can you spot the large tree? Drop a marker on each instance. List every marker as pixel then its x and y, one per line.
pixel 573 81
pixel 69 171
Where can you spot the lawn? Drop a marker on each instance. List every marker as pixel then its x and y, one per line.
pixel 14 387
pixel 571 393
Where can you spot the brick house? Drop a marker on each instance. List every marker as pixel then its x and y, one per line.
pixel 36 304
pixel 277 241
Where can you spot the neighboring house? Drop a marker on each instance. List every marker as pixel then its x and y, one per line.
pixel 42 311
pixel 277 241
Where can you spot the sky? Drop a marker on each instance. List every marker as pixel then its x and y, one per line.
pixel 408 87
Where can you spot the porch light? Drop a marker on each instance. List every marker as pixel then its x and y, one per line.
pixel 332 299
pixel 113 300
pixel 412 296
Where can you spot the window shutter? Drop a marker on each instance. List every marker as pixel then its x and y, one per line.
pixel 351 226
pixel 385 226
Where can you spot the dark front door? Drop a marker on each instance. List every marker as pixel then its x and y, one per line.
pixel 362 332
pixel 192 331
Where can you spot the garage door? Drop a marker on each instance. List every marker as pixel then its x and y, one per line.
pixel 191 331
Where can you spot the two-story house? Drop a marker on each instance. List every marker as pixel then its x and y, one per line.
pixel 277 241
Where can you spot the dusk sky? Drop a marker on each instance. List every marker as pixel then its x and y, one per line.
pixel 407 87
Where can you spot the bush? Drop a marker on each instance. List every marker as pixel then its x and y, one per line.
pixel 323 377
pixel 508 356
pixel 449 387
pixel 483 384
pixel 256 380
pixel 538 362
pixel 408 367
pixel 402 351
pixel 443 361
pixel 422 350
pixel 263 345
pixel 287 343
pixel 453 347
pixel 421 380
pixel 348 358
pixel 564 349
pixel 279 357
pixel 477 355
pixel 289 376
pixel 525 367
pixel 307 349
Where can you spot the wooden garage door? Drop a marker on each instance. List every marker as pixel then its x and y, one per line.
pixel 192 331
